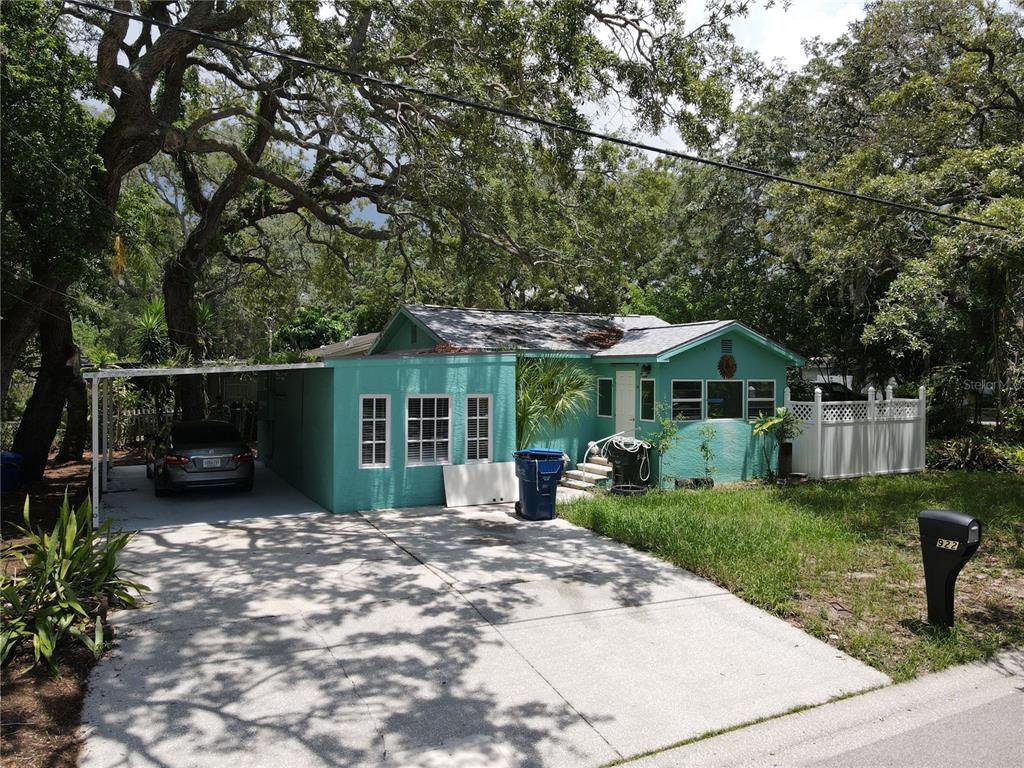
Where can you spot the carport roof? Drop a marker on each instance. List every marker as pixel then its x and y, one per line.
pixel 121 373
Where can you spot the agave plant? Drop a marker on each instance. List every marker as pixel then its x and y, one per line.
pixel 66 579
pixel 549 391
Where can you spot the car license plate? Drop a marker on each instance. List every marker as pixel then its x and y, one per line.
pixel 208 463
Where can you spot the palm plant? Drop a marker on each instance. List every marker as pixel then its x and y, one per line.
pixel 151 333
pixel 549 391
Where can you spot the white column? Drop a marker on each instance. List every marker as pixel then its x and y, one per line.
pixel 106 437
pixel 888 392
pixel 871 443
pixel 95 501
pixel 818 427
pixel 922 421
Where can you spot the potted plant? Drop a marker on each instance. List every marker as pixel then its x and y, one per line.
pixel 778 429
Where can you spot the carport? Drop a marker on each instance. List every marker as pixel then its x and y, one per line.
pixel 100 400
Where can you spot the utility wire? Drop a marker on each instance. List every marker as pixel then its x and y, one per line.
pixel 528 118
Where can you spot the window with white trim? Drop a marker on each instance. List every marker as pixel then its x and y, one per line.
pixel 646 399
pixel 428 430
pixel 604 397
pixel 725 399
pixel 687 399
pixel 478 428
pixel 373 430
pixel 760 398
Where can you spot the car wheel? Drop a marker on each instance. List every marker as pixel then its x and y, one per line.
pixel 149 471
pixel 246 487
pixel 158 491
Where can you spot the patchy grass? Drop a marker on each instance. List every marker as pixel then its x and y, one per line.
pixel 841 559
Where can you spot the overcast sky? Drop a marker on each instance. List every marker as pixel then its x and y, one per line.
pixel 777 33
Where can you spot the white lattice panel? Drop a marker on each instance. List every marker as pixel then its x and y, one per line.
pixel 844 411
pixel 901 409
pixel 802 411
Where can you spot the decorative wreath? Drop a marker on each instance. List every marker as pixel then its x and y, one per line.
pixel 727 366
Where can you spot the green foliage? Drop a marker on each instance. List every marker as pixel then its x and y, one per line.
pixel 707 433
pixel 312 327
pixel 66 578
pixel 774 429
pixel 974 453
pixel 664 435
pixel 550 391
pixel 151 344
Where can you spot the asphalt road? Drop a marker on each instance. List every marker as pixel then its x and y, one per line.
pixel 967 717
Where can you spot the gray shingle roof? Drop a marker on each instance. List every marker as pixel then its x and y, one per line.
pixel 654 341
pixel 488 329
pixel 355 345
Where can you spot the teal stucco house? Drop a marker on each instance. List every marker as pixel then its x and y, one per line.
pixel 437 387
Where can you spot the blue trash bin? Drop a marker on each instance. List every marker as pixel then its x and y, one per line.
pixel 10 468
pixel 538 470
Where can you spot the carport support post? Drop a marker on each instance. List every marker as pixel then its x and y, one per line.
pixel 106 434
pixel 95 501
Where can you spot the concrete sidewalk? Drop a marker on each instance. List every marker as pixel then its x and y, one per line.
pixel 970 716
pixel 423 637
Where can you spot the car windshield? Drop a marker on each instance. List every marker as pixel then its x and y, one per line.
pixel 204 432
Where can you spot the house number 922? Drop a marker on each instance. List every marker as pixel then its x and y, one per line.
pixel 947 544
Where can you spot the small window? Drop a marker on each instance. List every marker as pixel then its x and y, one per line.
pixel 478 428
pixel 373 430
pixel 725 400
pixel 687 400
pixel 726 346
pixel 413 334
pixel 646 399
pixel 604 397
pixel 428 430
pixel 760 398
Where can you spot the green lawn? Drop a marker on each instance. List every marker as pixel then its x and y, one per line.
pixel 841 559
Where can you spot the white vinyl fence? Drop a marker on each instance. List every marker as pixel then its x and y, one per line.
pixel 855 438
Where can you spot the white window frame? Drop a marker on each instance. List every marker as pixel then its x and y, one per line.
pixel 490 430
pixel 759 399
pixel 654 400
pixel 387 432
pixel 611 397
pixel 743 398
pixel 701 401
pixel 451 436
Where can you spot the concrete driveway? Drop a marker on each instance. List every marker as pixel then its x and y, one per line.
pixel 422 637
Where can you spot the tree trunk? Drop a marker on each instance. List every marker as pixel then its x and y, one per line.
pixel 42 415
pixel 76 431
pixel 183 332
pixel 21 320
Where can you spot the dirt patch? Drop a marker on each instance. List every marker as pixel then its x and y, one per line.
pixel 40 711
pixel 602 337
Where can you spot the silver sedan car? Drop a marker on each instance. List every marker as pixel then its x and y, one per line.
pixel 202 454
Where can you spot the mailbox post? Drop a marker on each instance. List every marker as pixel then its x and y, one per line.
pixel 948 540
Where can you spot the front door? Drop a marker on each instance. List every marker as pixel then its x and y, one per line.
pixel 625 402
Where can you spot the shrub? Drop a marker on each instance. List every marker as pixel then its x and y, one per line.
pixel 66 580
pixel 972 453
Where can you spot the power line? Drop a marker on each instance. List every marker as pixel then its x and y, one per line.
pixel 528 118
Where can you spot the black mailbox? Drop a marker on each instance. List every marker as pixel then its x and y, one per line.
pixel 948 540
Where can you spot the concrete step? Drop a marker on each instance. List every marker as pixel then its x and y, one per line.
pixel 577 484
pixel 596 458
pixel 595 469
pixel 583 476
